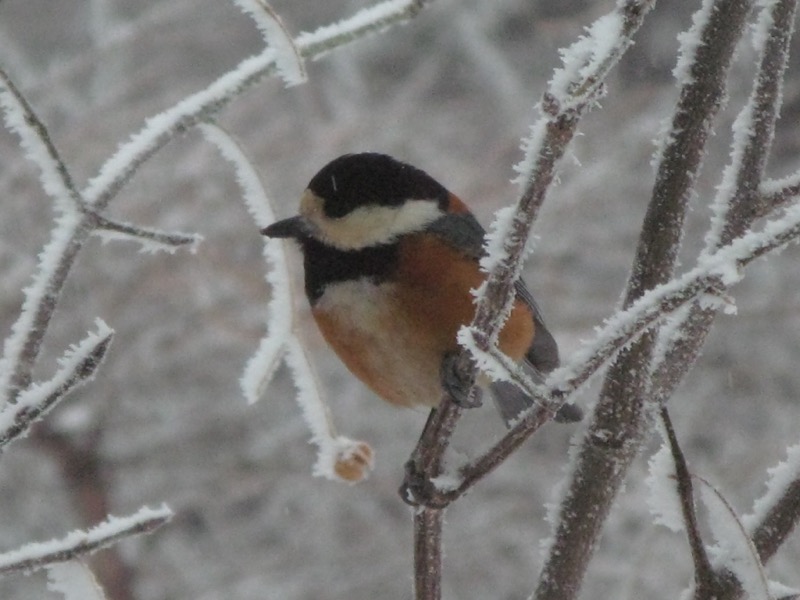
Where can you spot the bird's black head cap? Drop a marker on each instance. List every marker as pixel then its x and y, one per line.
pixel 371 179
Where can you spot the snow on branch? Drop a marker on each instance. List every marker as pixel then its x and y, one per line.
pixel 775 514
pixel 578 84
pixel 151 240
pixel 37 555
pixel 261 366
pixel 22 346
pixel 775 193
pixel 39 148
pixel 288 59
pixel 712 275
pixel 571 92
pixel 367 21
pixel 735 551
pixel 754 127
pixel 202 105
pixel 338 457
pixel 77 367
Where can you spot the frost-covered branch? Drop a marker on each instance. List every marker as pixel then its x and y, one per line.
pixel 203 105
pixel 288 59
pixel 152 240
pixel 741 197
pixel 81 543
pixel 39 147
pixel 621 418
pixel 573 90
pixel 338 457
pixel 76 367
pixel 22 347
pixel 776 193
pixel 775 515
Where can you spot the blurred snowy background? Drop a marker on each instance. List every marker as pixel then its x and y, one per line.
pixel 165 420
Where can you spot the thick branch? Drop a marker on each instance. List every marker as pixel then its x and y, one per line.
pixel 621 419
pixel 561 108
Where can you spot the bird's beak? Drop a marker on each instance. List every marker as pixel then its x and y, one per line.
pixel 293 227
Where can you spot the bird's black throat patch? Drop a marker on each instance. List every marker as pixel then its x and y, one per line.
pixel 325 265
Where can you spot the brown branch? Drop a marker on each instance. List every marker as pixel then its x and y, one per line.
pixel 561 114
pixel 704 578
pixel 776 194
pixel 428 553
pixel 622 418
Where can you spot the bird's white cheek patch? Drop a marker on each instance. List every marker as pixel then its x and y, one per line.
pixel 368 225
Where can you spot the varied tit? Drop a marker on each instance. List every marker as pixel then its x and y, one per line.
pixel 391 257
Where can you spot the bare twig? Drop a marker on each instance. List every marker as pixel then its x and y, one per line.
pixel 428 553
pixel 704 577
pixel 739 560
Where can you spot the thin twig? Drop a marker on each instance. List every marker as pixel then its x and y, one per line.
pixel 32 557
pixel 37 401
pixel 167 239
pixel 705 580
pixel 33 132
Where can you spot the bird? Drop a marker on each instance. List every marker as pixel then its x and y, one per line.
pixel 390 258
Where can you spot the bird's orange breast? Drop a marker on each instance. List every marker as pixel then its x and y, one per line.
pixel 394 335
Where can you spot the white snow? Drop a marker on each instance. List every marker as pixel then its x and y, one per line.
pixel 74 581
pixel 374 18
pixel 149 241
pixel 662 496
pixel 37 293
pixel 586 57
pixel 781 476
pixel 690 41
pixel 734 549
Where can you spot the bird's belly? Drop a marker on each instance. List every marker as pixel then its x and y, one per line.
pixel 372 332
